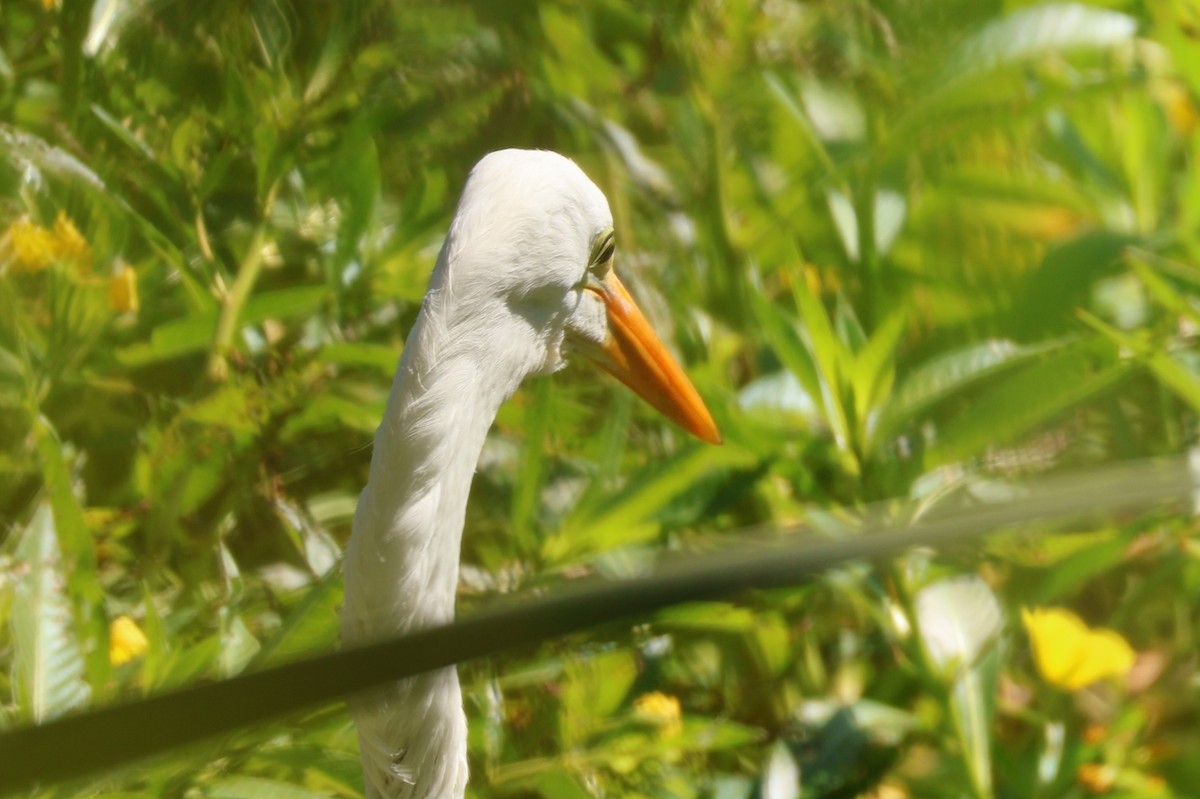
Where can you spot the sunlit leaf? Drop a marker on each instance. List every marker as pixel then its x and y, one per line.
pixel 1030 396
pixel 48 663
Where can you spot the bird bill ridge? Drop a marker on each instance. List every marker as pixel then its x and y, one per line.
pixel 635 355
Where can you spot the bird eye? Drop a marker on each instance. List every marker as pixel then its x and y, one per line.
pixel 603 249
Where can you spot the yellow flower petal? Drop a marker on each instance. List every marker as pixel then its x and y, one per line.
pixel 1069 654
pixel 126 640
pixel 33 247
pixel 122 291
pixel 71 244
pixel 661 710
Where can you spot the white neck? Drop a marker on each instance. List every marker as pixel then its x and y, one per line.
pixel 401 565
pixel 402 562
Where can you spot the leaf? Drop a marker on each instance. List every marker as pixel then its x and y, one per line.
pixel 627 517
pixel 1062 281
pixel 195 333
pixel 82 578
pixel 1037 32
pixel 828 352
pixel 781 774
pixel 1173 374
pixel 27 151
pixel 950 373
pixel 48 664
pixel 781 333
pixel 960 621
pixel 258 788
pixel 1021 401
pixel 531 473
pixel 380 358
pixel 708 617
pixel 873 368
pixel 311 626
pixel 1162 290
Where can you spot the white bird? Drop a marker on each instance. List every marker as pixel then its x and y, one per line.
pixel 524 277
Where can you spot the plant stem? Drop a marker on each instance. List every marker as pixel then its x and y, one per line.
pixel 239 292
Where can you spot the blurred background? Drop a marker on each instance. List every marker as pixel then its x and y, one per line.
pixel 909 250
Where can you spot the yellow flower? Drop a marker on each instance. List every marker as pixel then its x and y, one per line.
pixel 661 710
pixel 126 640
pixel 122 291
pixel 1069 654
pixel 33 247
pixel 71 244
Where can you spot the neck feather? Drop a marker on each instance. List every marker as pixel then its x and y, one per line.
pixel 402 562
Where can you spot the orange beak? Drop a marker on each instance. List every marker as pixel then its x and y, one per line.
pixel 637 357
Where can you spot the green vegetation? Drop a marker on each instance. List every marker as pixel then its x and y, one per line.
pixel 909 251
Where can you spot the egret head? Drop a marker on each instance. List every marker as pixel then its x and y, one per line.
pixel 529 260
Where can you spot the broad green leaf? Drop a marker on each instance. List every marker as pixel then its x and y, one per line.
pixel 1062 282
pixel 627 518
pixel 1038 32
pixel 311 626
pixel 951 373
pixel 238 647
pixel 1018 403
pixel 48 662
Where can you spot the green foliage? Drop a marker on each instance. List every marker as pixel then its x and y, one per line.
pixel 908 252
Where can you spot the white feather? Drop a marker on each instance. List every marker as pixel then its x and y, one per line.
pixel 507 282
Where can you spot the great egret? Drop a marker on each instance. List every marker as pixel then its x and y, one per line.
pixel 525 276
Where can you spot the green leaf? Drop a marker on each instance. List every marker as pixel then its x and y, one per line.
pixel 83 581
pixel 873 368
pixel 1021 401
pixel 195 333
pixel 829 353
pixel 1173 374
pixel 781 333
pixel 310 627
pixel 531 473
pixel 951 373
pixel 380 358
pixel 708 617
pixel 1038 32
pixel 1062 281
pixel 48 664
pixel 628 517
pixel 258 788
pixel 1162 290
